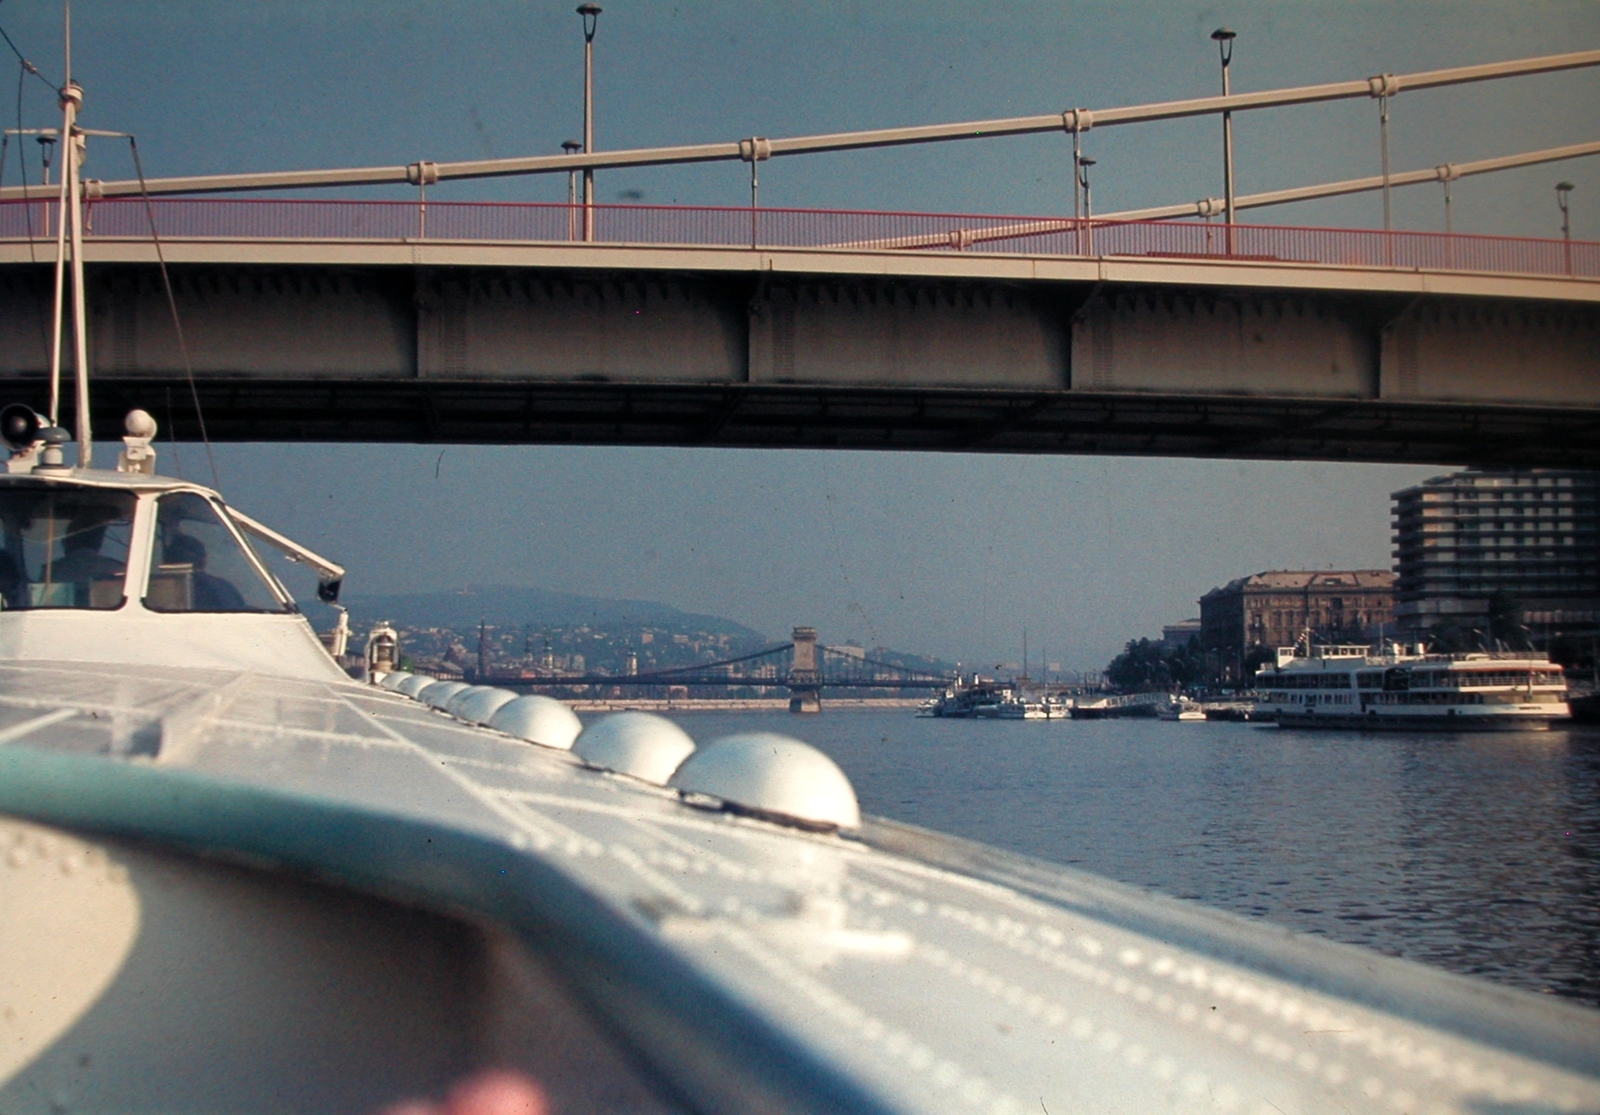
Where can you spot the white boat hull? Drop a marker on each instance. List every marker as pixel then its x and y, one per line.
pixel 1536 718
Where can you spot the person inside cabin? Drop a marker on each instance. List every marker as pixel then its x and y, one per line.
pixel 84 563
pixel 202 565
pixel 10 582
pixel 64 548
pixel 208 593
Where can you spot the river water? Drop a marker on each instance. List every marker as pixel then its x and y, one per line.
pixel 1478 853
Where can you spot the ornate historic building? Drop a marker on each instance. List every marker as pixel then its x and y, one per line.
pixel 1276 608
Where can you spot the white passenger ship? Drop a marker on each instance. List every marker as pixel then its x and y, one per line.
pixel 1351 687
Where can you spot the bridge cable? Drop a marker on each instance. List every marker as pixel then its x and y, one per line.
pixel 714 665
pixel 932 674
pixel 172 304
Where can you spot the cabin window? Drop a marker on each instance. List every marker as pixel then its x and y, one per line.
pixel 64 547
pixel 201 565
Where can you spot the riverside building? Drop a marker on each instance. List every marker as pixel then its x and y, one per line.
pixel 1274 609
pixel 1531 534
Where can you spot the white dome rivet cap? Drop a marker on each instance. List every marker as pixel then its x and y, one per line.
pixel 541 720
pixel 454 702
pixel 439 693
pixel 646 747
pixel 772 776
pixel 393 678
pixel 479 702
pixel 415 684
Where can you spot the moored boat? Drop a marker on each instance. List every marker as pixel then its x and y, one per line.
pixel 983 700
pixel 1057 706
pixel 1180 708
pixel 1351 687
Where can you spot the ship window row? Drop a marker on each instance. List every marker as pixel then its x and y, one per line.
pixel 1284 698
pixel 1487 678
pixel 1462 679
pixel 1445 697
pixel 1435 697
pixel 1308 681
pixel 1449 697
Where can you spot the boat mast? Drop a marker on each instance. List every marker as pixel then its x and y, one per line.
pixel 70 222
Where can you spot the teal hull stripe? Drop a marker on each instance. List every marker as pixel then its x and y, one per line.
pixel 708 1051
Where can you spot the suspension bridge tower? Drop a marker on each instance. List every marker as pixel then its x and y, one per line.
pixel 805 682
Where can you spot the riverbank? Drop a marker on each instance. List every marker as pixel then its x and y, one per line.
pixel 735 704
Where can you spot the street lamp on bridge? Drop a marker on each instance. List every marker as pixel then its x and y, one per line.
pixel 1224 37
pixel 572 147
pixel 47 145
pixel 1086 229
pixel 591 20
pixel 1562 190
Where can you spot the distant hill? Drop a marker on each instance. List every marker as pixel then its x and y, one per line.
pixel 510 605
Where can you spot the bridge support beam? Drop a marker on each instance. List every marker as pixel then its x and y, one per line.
pixel 1480 352
pixel 805 682
pixel 905 351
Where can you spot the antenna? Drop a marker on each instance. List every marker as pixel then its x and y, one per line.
pixel 70 223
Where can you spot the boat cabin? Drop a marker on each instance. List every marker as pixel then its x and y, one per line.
pixel 126 566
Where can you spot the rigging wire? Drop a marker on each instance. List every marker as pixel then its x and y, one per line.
pixel 838 554
pixel 172 436
pixel 172 304
pixel 27 66
pixel 22 165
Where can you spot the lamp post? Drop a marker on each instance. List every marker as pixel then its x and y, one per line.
pixel 1562 190
pixel 47 146
pixel 1447 174
pixel 1383 86
pixel 1223 37
pixel 591 19
pixel 572 147
pixel 1086 230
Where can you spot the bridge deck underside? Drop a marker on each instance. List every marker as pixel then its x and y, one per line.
pixel 797 417
pixel 1197 362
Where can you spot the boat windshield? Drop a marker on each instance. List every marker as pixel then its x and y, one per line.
pixel 64 547
pixel 201 565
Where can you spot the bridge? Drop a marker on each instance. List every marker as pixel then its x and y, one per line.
pixel 797 666
pixel 1157 332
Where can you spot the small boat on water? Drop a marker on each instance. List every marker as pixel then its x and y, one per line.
pixel 1236 710
pixel 1180 708
pixel 1057 706
pixel 1019 707
pixel 1351 687
pixel 1096 709
pixel 985 700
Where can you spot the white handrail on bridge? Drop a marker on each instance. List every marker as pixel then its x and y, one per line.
pixel 1206 207
pixel 1079 119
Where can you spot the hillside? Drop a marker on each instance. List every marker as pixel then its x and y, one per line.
pixel 509 606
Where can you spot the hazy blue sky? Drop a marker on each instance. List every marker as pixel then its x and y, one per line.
pixel 953 555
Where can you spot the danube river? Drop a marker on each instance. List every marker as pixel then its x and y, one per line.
pixel 1479 853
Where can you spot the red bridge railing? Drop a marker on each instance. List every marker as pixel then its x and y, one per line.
pixel 534 222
